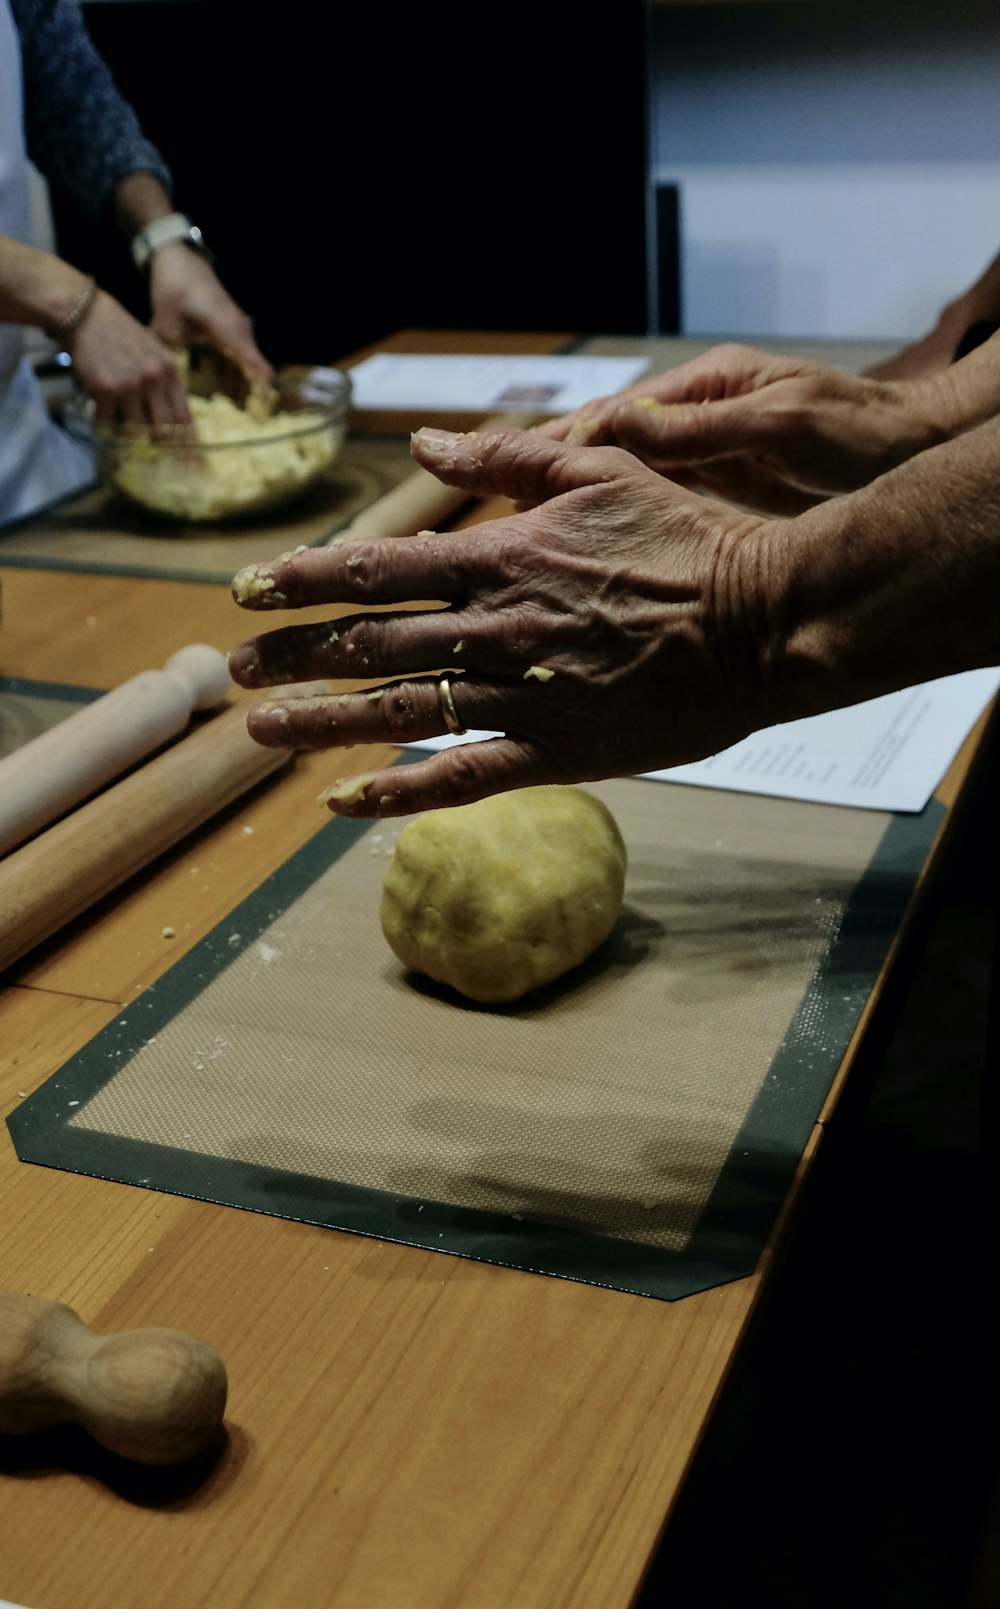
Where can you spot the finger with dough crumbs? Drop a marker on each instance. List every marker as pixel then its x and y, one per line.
pixel 522 465
pixel 358 572
pixel 455 776
pixel 402 712
pixel 692 432
pixel 360 646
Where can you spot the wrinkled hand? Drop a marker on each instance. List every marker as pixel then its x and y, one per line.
pixel 770 433
pixel 618 626
pixel 190 304
pixel 128 373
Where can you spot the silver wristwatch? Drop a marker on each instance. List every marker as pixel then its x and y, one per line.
pixel 167 231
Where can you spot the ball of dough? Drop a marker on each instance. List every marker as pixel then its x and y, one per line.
pixel 502 896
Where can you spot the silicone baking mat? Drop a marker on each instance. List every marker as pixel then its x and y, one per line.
pixel 28 708
pixel 101 531
pixel 635 1125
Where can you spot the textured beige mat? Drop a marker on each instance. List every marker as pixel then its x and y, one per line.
pixel 635 1125
pixel 29 708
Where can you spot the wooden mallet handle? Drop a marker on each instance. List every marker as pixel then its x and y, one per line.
pixel 154 1395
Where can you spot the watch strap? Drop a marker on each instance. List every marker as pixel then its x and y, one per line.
pixel 166 231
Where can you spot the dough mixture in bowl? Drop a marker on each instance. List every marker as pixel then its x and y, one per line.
pixel 248 463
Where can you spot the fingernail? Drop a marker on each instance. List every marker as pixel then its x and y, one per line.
pixel 647 402
pixel 348 791
pixel 270 716
pixel 253 581
pixel 436 440
pixel 244 663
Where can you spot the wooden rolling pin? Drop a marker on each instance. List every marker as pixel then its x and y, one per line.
pixel 64 870
pixel 48 776
pixel 154 1395
pixel 421 501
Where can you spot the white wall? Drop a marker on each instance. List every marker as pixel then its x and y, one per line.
pixel 838 163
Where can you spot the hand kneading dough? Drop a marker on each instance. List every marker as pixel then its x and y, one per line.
pixel 502 896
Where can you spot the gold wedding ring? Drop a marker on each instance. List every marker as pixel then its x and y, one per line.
pixel 446 704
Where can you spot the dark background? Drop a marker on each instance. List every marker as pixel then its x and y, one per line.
pixel 361 168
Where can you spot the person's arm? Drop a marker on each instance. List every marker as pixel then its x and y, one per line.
pixel 82 132
pixel 976 310
pixel 777 434
pixel 189 302
pixel 128 372
pixel 620 624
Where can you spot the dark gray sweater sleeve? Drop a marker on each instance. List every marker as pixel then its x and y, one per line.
pixel 80 130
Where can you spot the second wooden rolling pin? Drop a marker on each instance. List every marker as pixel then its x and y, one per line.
pixel 64 870
pixel 68 763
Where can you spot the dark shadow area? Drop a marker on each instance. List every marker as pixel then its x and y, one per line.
pixel 352 177
pixel 67 1448
pixel 627 944
pixel 855 1456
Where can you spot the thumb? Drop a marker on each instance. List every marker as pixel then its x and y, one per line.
pixel 519 464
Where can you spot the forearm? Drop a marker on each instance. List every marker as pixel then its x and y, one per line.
pixel 967 393
pixel 980 301
pixel 139 199
pixel 37 288
pixel 935 350
pixel 894 584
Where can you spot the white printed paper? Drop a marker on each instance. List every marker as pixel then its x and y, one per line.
pixel 487 384
pixel 887 754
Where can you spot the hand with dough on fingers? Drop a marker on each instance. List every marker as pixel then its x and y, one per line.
pixel 777 434
pixel 129 373
pixel 190 304
pixel 603 631
pixel 618 623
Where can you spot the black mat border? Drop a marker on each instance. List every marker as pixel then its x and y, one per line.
pixel 66 692
pixel 736 1221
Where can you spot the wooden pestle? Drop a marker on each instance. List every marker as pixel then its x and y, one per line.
pixel 153 1395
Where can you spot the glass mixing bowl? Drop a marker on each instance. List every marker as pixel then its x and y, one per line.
pixel 237 462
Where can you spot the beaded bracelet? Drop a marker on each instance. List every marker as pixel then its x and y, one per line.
pixel 62 332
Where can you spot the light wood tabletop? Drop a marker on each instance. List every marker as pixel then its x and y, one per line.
pixel 404 1429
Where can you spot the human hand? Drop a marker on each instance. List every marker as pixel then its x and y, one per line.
pixel 128 373
pixel 770 433
pixel 190 304
pixel 618 625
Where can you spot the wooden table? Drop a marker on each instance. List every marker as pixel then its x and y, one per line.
pixel 405 1429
